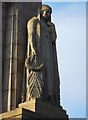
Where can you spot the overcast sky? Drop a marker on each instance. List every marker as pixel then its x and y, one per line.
pixel 70 21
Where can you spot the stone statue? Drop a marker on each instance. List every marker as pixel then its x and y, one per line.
pixel 42 77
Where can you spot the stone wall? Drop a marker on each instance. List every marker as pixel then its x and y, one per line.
pixel 14 22
pixel 0 57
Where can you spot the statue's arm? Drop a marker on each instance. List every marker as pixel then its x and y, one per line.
pixel 32 34
pixel 53 33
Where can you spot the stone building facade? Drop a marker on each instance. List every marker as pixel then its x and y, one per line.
pixel 13 48
pixel 0 57
pixel 14 40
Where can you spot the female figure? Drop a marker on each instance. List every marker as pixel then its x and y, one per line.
pixel 41 62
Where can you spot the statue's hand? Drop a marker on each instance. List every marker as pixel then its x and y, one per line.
pixel 49 23
pixel 51 26
pixel 52 32
pixel 33 51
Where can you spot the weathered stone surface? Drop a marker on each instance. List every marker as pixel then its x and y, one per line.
pixel 20 41
pixel 0 56
pixel 44 109
pixel 14 51
pixel 42 41
pixel 20 113
pixel 15 17
pixel 35 109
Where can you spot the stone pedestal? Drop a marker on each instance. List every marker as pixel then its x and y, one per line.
pixel 34 110
pixel 21 114
pixel 44 109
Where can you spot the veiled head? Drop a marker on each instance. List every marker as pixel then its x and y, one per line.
pixel 45 11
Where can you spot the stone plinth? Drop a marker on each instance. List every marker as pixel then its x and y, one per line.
pixel 21 114
pixel 44 109
pixel 35 110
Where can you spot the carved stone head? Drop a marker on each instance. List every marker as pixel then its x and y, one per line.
pixel 45 11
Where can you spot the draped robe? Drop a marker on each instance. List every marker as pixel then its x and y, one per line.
pixel 42 38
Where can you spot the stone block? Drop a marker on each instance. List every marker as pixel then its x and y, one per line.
pixel 21 38
pixel 0 94
pixel 0 24
pixel 4 100
pixel 20 113
pixel 35 109
pixel 0 8
pixel 0 59
pixel 3 24
pixel 0 73
pixel 11 114
pixel 10 51
pixel 9 99
pixel 5 82
pixel 4 9
pixel 40 107
pixel 0 40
